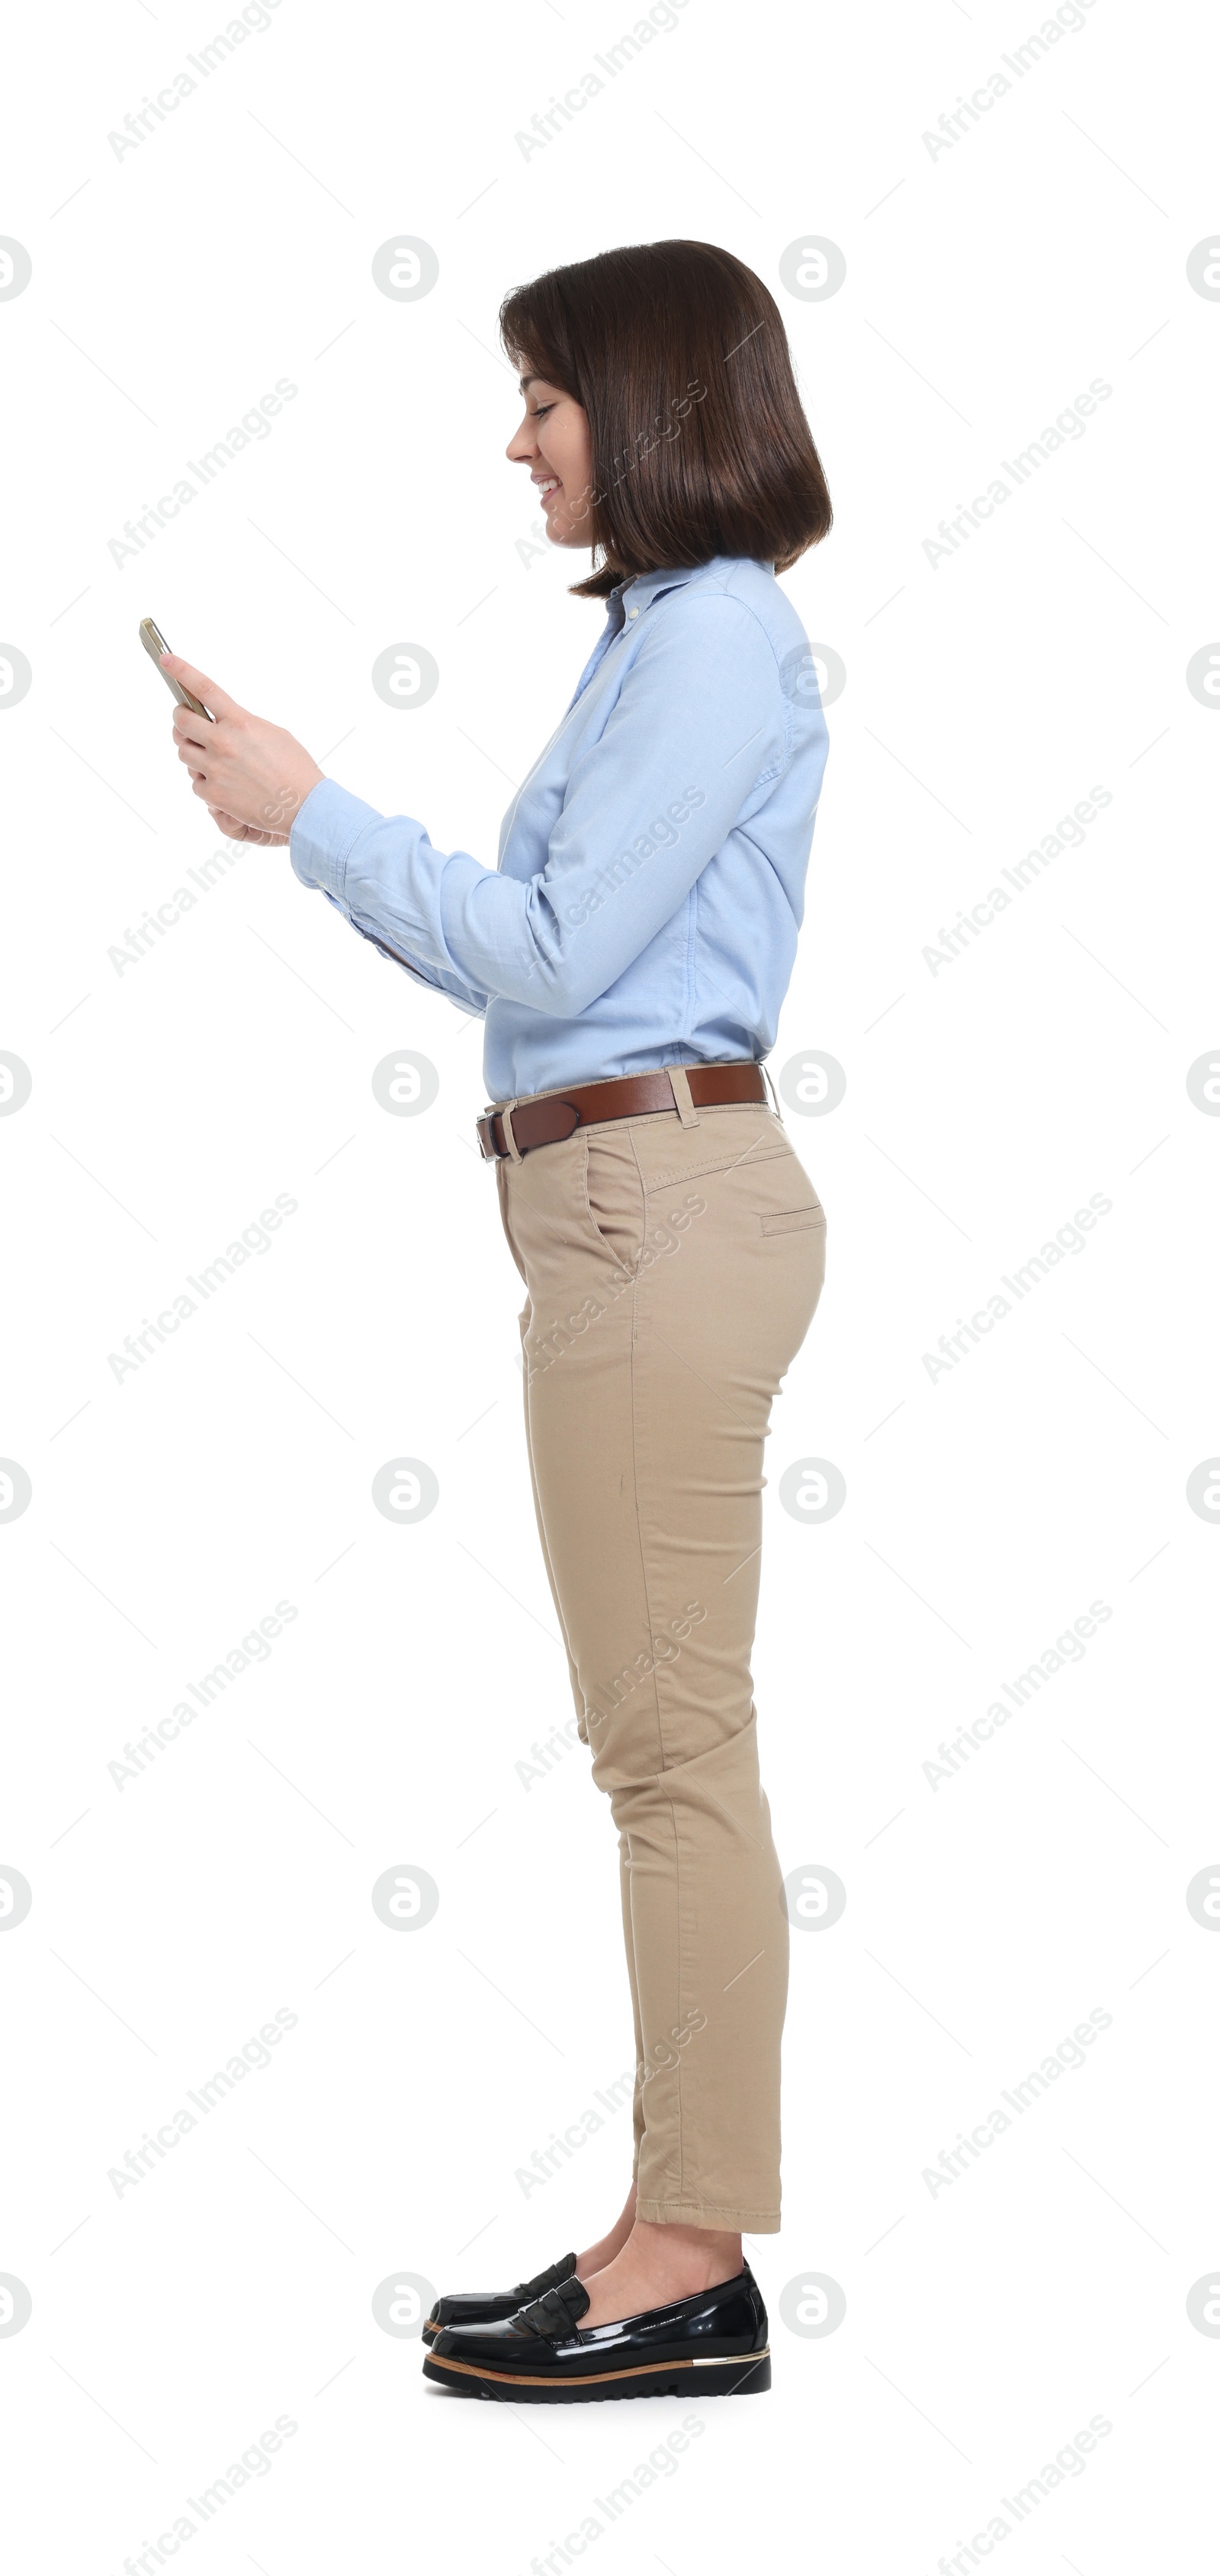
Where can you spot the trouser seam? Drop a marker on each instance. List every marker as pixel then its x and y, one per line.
pixel 656 1687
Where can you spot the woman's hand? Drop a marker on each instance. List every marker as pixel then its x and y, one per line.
pixel 253 777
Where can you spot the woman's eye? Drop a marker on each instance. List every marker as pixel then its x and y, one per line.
pixel 540 411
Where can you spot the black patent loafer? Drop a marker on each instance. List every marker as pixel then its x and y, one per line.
pixel 489 2307
pixel 714 2345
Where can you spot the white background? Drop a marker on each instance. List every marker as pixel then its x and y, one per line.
pixel 985 289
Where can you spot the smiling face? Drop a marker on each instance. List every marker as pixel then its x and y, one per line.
pixel 553 441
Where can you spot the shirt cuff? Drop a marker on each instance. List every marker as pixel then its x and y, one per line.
pixel 324 833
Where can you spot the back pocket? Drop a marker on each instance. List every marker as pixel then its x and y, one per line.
pixel 800 1220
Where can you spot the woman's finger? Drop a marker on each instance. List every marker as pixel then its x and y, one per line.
pixel 235 831
pixel 213 696
pixel 188 727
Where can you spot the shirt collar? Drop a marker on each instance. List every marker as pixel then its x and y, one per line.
pixel 638 592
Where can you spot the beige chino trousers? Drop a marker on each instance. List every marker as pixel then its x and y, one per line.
pixel 672 1265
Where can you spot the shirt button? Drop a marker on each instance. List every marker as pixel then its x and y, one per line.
pixel 633 612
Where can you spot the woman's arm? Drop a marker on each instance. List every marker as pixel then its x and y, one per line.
pixel 700 722
pixel 439 981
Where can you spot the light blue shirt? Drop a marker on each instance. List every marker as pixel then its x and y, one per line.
pixel 651 874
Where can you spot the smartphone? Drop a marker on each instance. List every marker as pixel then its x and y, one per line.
pixel 154 643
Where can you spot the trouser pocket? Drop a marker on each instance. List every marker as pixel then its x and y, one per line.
pixel 614 1197
pixel 800 1220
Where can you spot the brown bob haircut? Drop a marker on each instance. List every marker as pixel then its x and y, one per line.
pixel 678 354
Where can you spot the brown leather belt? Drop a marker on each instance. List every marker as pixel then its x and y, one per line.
pixel 552 1115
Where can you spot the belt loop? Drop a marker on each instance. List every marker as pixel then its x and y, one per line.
pixel 506 1120
pixel 683 1103
pixel 771 1088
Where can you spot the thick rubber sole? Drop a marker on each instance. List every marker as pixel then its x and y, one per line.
pixel 744 2375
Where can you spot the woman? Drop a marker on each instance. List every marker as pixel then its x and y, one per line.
pixel 630 955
